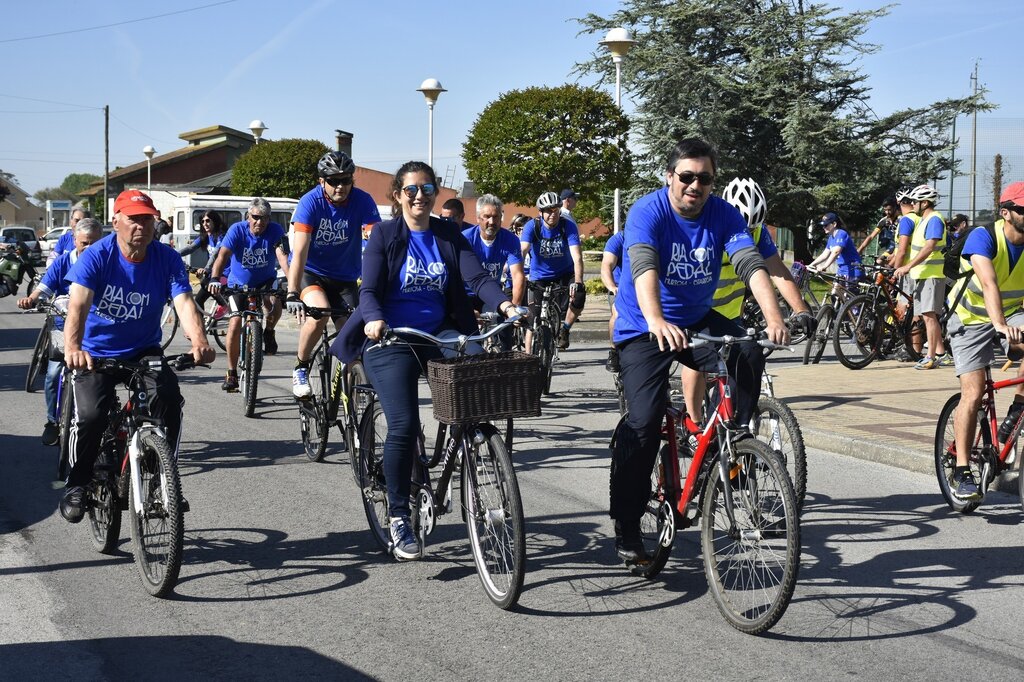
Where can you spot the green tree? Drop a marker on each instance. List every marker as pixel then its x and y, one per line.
pixel 76 182
pixel 543 139
pixel 53 194
pixel 774 85
pixel 277 168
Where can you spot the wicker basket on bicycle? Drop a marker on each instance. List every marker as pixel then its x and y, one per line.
pixel 482 387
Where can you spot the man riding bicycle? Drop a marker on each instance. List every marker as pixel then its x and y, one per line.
pixel 118 290
pixel 248 247
pixel 991 304
pixel 498 251
pixel 553 244
pixel 326 253
pixel 675 238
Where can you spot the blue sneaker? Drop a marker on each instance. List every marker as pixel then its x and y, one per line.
pixel 300 383
pixel 966 488
pixel 403 539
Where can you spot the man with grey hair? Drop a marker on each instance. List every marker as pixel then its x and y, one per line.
pixel 248 246
pixel 67 240
pixel 498 251
pixel 52 285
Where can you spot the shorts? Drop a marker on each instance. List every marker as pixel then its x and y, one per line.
pixel 339 294
pixel 237 302
pixel 971 345
pixel 929 295
pixel 534 294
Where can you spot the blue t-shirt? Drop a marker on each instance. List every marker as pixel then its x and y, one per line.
pixel 934 229
pixel 65 243
pixel 980 242
pixel 614 247
pixel 848 260
pixel 52 282
pixel 690 259
pixel 128 298
pixel 335 232
pixel 416 295
pixel 253 261
pixel 905 228
pixel 503 250
pixel 549 253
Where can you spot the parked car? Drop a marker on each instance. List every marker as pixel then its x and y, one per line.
pixel 47 241
pixel 25 234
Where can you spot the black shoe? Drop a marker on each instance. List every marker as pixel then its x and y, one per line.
pixel 1012 415
pixel 230 383
pixel 563 338
pixel 72 505
pixel 613 361
pixel 628 544
pixel 269 342
pixel 51 434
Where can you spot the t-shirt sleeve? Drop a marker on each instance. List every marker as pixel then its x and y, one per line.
pixel 641 227
pixel 303 218
pixel 515 254
pixel 979 242
pixel 572 233
pixel 934 229
pixel 842 238
pixel 614 245
pixel 906 226
pixel 527 236
pixel 178 276
pixel 735 234
pixel 766 245
pixel 51 280
pixel 371 216
pixel 231 240
pixel 86 270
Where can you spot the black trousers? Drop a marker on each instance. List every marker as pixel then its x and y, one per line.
pixel 645 381
pixel 95 394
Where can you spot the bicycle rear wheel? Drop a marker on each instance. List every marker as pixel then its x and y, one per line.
pixel 657 525
pixel 40 355
pixel 816 343
pixel 216 327
pixel 752 564
pixel 357 404
pixel 858 332
pixel 945 454
pixel 104 514
pixel 168 325
pixel 775 425
pixel 252 364
pixel 494 517
pixel 313 418
pixel 67 409
pixel 373 431
pixel 158 529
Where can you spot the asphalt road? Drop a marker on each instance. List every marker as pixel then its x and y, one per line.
pixel 281 579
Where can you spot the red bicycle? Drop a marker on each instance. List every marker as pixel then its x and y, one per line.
pixel 988 458
pixel 739 488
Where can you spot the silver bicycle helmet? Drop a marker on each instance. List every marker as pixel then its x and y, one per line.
pixel 335 163
pixel 747 197
pixel 924 193
pixel 548 200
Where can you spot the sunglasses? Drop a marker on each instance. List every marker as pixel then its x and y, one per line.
pixel 1019 210
pixel 343 181
pixel 258 218
pixel 412 190
pixel 686 177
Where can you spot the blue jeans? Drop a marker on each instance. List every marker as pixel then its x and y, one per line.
pixel 53 371
pixel 394 372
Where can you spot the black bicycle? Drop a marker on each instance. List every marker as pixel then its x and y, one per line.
pixel 136 470
pixel 250 357
pixel 45 347
pixel 545 328
pixel 213 312
pixel 468 392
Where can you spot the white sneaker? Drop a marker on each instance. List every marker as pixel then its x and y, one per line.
pixel 300 383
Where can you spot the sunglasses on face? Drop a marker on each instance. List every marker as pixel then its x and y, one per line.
pixel 1019 210
pixel 343 181
pixel 411 191
pixel 686 177
pixel 258 218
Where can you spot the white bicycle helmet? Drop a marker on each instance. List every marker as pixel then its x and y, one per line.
pixel 747 197
pixel 924 193
pixel 548 200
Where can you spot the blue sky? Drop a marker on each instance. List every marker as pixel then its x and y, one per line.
pixel 307 68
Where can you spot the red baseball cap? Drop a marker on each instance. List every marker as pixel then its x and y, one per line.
pixel 1014 193
pixel 134 202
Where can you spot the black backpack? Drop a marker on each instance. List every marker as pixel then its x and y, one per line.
pixel 952 251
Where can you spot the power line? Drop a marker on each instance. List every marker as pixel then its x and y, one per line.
pixel 135 130
pixel 119 23
pixel 50 101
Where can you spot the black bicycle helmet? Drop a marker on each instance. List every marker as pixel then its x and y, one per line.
pixel 334 163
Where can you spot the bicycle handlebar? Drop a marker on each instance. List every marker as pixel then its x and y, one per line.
pixel 392 334
pixel 147 365
pixel 698 339
pixel 317 313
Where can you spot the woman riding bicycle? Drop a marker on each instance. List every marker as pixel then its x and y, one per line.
pixel 415 271
pixel 209 239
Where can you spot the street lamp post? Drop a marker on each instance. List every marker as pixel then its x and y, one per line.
pixel 149 152
pixel 618 41
pixel 431 89
pixel 257 127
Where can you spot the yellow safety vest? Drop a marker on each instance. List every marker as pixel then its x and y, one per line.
pixel 932 267
pixel 971 308
pixel 728 298
pixel 915 219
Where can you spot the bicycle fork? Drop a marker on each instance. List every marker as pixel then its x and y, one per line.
pixel 135 471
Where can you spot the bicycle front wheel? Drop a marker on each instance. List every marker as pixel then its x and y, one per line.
pixel 67 408
pixel 104 514
pixel 157 529
pixel 775 425
pixel 544 341
pixel 313 418
pixel 751 561
pixel 357 402
pixel 168 324
pixel 945 454
pixel 252 363
pixel 816 342
pixel 858 332
pixel 494 517
pixel 373 431
pixel 40 355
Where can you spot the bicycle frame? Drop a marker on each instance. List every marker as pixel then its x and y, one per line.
pixel 988 404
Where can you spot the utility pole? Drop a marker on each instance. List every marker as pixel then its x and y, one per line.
pixel 106 160
pixel 952 168
pixel 974 142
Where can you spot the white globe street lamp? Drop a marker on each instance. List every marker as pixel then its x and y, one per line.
pixel 431 89
pixel 149 152
pixel 257 127
pixel 618 41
